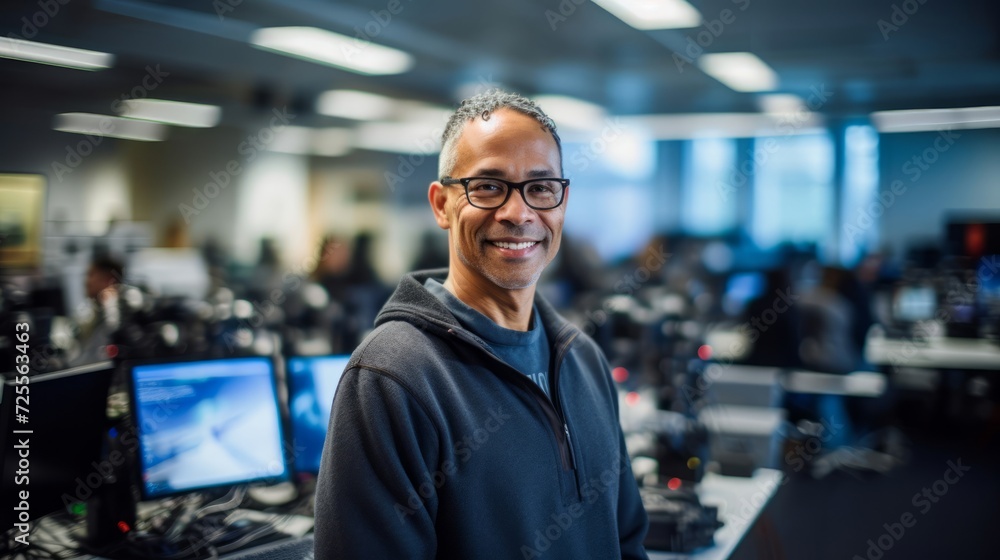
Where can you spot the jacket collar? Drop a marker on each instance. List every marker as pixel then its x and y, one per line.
pixel 413 303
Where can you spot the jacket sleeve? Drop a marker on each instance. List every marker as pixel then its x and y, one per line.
pixel 633 523
pixel 373 498
pixel 632 520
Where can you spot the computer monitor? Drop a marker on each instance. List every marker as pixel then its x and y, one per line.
pixel 66 415
pixel 914 303
pixel 741 289
pixel 988 275
pixel 312 383
pixel 205 424
pixel 972 236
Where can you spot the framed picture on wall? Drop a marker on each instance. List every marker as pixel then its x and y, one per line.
pixel 22 203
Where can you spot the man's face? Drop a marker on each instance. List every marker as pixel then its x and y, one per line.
pixel 97 280
pixel 514 147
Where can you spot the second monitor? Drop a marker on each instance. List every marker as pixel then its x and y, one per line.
pixel 312 382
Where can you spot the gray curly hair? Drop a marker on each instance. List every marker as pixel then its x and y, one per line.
pixel 484 105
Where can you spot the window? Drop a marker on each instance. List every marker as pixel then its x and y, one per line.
pixel 859 228
pixel 708 200
pixel 793 197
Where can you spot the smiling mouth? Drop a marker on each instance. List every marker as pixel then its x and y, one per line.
pixel 515 246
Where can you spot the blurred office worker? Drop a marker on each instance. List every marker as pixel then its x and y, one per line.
pixel 474 421
pixel 95 329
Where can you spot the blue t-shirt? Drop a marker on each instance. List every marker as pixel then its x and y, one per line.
pixel 527 352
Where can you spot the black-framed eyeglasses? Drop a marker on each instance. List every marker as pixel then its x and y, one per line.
pixel 490 193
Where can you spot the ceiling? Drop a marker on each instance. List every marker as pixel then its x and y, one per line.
pixel 946 54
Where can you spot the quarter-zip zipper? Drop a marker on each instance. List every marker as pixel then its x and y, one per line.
pixel 553 407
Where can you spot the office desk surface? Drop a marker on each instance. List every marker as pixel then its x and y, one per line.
pixel 740 502
pixel 937 353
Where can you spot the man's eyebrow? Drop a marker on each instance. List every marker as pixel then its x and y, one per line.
pixel 500 174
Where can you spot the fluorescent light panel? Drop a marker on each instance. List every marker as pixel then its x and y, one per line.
pixel 653 14
pixel 332 49
pixel 919 120
pixel 741 71
pixel 331 142
pixel 177 113
pixel 354 104
pixel 399 138
pixel 302 140
pixel 54 55
pixel 571 112
pixel 781 104
pixel 112 127
pixel 365 106
pixel 721 125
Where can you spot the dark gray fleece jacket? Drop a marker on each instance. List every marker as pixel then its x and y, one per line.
pixel 438 449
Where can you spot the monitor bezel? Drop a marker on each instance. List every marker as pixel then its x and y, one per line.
pixel 134 424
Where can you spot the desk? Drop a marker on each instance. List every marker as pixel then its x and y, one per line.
pixel 935 353
pixel 856 384
pixel 740 502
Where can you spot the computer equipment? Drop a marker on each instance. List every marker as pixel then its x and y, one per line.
pixel 312 383
pixel 205 424
pixel 741 289
pixel 988 275
pixel 972 236
pixel 914 303
pixel 66 419
pixel 678 521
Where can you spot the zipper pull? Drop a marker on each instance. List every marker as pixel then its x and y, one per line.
pixel 569 444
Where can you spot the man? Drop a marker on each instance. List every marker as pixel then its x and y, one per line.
pixel 474 422
pixel 94 332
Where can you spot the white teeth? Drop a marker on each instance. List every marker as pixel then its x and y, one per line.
pixel 506 245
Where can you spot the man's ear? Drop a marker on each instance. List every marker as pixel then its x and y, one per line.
pixel 437 195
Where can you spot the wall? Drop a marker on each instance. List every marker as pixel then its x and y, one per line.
pixel 941 174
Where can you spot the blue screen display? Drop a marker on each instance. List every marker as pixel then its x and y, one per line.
pixel 989 278
pixel 741 289
pixel 313 382
pixel 205 424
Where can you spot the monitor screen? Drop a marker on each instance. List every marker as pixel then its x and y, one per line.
pixel 65 413
pixel 312 384
pixel 206 423
pixel 741 289
pixel 988 274
pixel 915 303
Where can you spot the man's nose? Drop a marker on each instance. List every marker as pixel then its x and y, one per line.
pixel 516 210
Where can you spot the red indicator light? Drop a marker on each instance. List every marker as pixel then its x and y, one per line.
pixel 619 374
pixel 674 483
pixel 704 352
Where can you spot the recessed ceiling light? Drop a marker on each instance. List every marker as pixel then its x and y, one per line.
pixel 112 127
pixel 781 104
pixel 54 55
pixel 741 71
pixel 177 113
pixel 653 14
pixel 398 137
pixel 679 126
pixel 571 112
pixel 331 142
pixel 918 120
pixel 354 104
pixel 332 49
